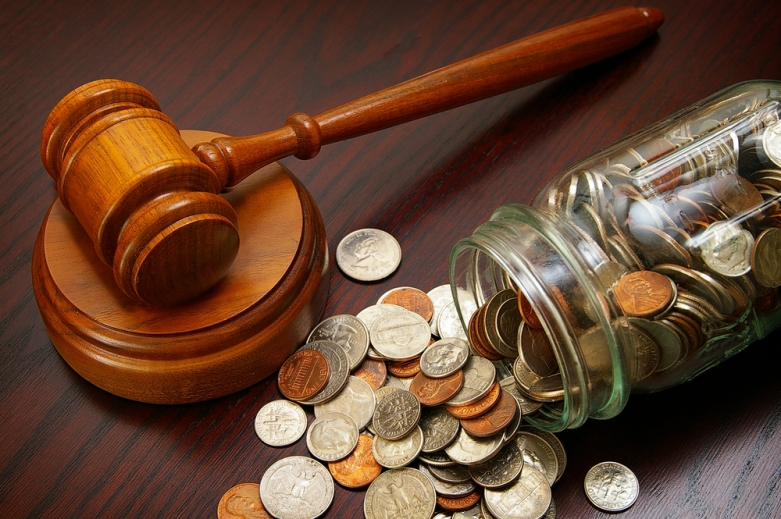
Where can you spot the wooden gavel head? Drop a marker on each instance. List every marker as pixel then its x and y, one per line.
pixel 147 202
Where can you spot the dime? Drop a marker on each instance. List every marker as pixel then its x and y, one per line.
pixel 644 293
pixel 359 468
pixel 439 428
pixel 373 372
pixel 394 454
pixel 766 257
pixel 501 470
pixel 495 420
pixel 347 331
pixel 453 474
pixel 332 437
pixel 436 391
pixel 368 255
pixel 468 450
pixel 402 492
pixel 280 423
pixel 396 415
pixel 437 459
pixel 356 400
pixel 400 336
pixel 339 366
pixel 537 453
pixel 475 409
pixel 445 357
pixel 529 496
pixel 241 501
pixel 303 374
pixel 443 488
pixel 611 487
pixel 412 299
pixel 479 375
pixel 296 487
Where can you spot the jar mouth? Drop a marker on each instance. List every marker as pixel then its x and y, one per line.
pixel 551 265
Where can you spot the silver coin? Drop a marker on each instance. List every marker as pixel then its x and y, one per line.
pixel 449 323
pixel 368 254
pixel 347 331
pixel 552 440
pixel 445 489
pixel 280 423
pixel 397 414
pixel 400 336
pixel 453 474
pixel 402 492
pixel 511 386
pixel 726 248
pixel 444 357
pixel 437 459
pixel 468 450
pixel 371 313
pixel 296 487
pixel 471 513
pixel 394 454
pixel 439 428
pixel 332 437
pixel 539 454
pixel 611 486
pixel 356 400
pixel 340 370
pixel 528 498
pixel 501 470
pixel 440 296
pixel 479 376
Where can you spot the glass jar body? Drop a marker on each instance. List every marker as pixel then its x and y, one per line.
pixel 643 265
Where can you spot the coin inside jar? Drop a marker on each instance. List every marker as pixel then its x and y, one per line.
pixel 303 374
pixel 644 293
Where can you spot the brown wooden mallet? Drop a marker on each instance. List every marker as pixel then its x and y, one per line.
pixel 150 204
pixel 182 313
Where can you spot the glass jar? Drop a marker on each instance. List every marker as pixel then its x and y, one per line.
pixel 637 268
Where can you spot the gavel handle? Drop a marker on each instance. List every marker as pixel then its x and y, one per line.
pixel 511 66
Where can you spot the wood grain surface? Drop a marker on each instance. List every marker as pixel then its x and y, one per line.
pixel 708 448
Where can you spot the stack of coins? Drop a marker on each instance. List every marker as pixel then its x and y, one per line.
pixel 426 425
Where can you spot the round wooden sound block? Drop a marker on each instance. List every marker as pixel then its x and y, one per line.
pixel 226 340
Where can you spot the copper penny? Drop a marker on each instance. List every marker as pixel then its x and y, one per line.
pixel 527 312
pixel 459 504
pixel 242 501
pixel 412 299
pixel 404 368
pixel 644 293
pixel 478 341
pixel 495 420
pixel 373 372
pixel 359 468
pixel 478 408
pixel 436 391
pixel 303 374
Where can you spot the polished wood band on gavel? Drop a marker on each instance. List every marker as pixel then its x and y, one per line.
pixel 151 205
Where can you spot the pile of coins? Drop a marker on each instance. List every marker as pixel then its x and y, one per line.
pixel 404 408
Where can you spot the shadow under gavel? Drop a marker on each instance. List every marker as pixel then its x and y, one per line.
pixel 151 206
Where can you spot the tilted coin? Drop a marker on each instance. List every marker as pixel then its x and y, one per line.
pixel 512 428
pixel 347 331
pixel 332 436
pixel 441 296
pixel 527 406
pixel 645 353
pixel 479 376
pixel 644 293
pixel 358 469
pixel 404 368
pixel 539 454
pixel 528 497
pixel 552 440
pixel 495 420
pixel 766 258
pixel 339 365
pixel 548 389
pixel 468 450
pixel 400 336
pixel 443 488
pixel 460 503
pixel 396 415
pixel 394 454
pixel 401 383
pixel 437 459
pixel 280 423
pixel 508 320
pixel 501 470
pixel 665 339
pixel 536 350
pixel 611 486
pixel 243 500
pixel 356 400
pixel 412 299
pixel 303 374
pixel 370 314
pixel 368 254
pixel 475 409
pixel 444 357
pixel 296 487
pixel 439 428
pixel 373 372
pixel 492 320
pixel 453 474
pixel 436 391
pixel 527 312
pixel 449 323
pixel 402 492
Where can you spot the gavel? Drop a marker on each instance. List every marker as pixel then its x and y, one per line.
pixel 150 204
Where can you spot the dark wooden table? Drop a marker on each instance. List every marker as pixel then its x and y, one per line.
pixel 708 448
